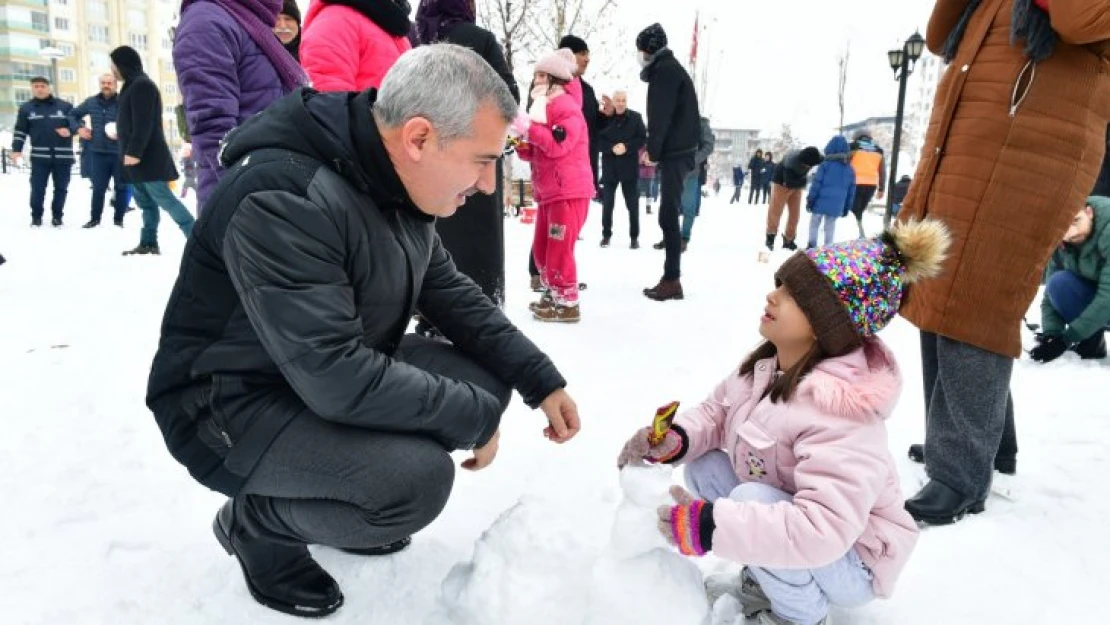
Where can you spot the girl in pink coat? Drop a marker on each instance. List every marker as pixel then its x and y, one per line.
pixel 349 45
pixel 787 459
pixel 556 142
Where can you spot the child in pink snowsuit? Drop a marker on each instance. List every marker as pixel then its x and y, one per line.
pixel 556 142
pixel 788 458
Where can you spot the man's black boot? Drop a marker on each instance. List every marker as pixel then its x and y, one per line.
pixel 1092 347
pixel 280 573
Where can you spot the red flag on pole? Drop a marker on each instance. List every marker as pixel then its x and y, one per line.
pixel 694 45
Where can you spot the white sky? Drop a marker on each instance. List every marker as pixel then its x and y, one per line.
pixel 774 61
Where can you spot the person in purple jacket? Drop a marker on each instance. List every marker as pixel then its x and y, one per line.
pixel 229 67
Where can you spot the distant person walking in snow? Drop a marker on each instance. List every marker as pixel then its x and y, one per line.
pixel 147 161
pixel 189 164
pixel 45 121
pixel 737 183
pixel 229 65
pixel 1014 144
pixel 649 179
pixel 331 426
pixel 788 184
pixel 787 460
pixel 102 144
pixel 831 193
pixel 695 181
pixel 898 192
pixel 767 176
pixel 869 164
pixel 556 141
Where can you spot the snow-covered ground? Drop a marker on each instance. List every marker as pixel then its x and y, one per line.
pixel 102 526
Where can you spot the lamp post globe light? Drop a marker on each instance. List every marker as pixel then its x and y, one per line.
pixel 902 61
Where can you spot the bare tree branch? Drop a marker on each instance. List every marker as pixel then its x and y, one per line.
pixel 842 63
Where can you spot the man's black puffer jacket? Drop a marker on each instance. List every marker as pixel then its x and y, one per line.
pixel 295 289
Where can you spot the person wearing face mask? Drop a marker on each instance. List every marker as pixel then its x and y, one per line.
pixel 288 28
pixel 349 45
pixel 674 130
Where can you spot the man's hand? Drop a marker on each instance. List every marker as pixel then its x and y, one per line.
pixel 16 157
pixel 130 161
pixel 646 160
pixel 607 108
pixel 1048 348
pixel 84 133
pixel 483 456
pixel 562 417
pixel 620 149
pixel 879 195
pixel 63 132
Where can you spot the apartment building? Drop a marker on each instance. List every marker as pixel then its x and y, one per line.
pixel 69 41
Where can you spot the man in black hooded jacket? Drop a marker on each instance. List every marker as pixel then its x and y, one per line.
pixel 284 377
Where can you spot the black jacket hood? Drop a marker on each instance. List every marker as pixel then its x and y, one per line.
pixel 128 62
pixel 337 129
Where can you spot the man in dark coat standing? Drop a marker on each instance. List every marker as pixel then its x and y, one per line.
pixel 284 378
pixel 147 161
pixel 622 135
pixel 674 129
pixel 44 119
pixel 590 106
pixel 100 140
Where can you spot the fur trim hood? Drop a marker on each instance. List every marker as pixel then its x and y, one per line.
pixel 863 384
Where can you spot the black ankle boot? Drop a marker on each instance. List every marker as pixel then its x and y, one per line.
pixel 770 242
pixel 280 574
pixel 788 244
pixel 1093 347
pixel 937 504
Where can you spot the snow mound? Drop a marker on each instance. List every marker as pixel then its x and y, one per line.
pixel 543 560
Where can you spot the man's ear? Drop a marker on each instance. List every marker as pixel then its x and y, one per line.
pixel 416 135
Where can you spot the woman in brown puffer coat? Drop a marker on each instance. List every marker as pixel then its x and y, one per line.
pixel 1013 147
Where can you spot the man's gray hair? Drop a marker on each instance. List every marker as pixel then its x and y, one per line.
pixel 444 84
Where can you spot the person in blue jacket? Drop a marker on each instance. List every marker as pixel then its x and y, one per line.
pixel 44 119
pixel 832 191
pixel 102 145
pixel 737 182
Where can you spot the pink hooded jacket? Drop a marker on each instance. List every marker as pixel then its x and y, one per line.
pixel 561 171
pixel 828 447
pixel 343 50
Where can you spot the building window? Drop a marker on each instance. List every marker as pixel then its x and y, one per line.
pixel 169 89
pixel 167 66
pixel 67 75
pixel 167 43
pixel 66 48
pixel 138 41
pixel 136 18
pixel 27 71
pixel 61 23
pixel 40 22
pixel 62 2
pixel 98 34
pixel 22 95
pixel 69 97
pixel 101 62
pixel 96 10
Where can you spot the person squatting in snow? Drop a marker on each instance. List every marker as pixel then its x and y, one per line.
pixel 787 459
pixel 1075 309
pixel 284 376
pixel 555 140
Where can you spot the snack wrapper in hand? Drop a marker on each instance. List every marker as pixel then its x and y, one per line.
pixel 661 424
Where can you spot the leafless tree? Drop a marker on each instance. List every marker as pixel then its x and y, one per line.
pixel 786 141
pixel 842 65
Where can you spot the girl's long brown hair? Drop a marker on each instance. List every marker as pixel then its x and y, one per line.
pixel 783 386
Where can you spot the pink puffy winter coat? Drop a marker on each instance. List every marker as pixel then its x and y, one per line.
pixel 343 50
pixel 828 447
pixel 561 170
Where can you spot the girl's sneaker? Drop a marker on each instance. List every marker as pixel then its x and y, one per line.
pixel 558 313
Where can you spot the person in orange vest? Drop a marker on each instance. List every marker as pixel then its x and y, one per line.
pixel 869 163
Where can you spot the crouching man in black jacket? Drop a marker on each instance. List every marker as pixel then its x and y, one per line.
pixel 284 377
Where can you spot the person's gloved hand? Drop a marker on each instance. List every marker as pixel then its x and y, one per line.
pixel 1048 348
pixel 519 128
pixel 809 206
pixel 689 524
pixel 639 449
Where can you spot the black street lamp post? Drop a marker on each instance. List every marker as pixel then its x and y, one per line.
pixel 902 62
